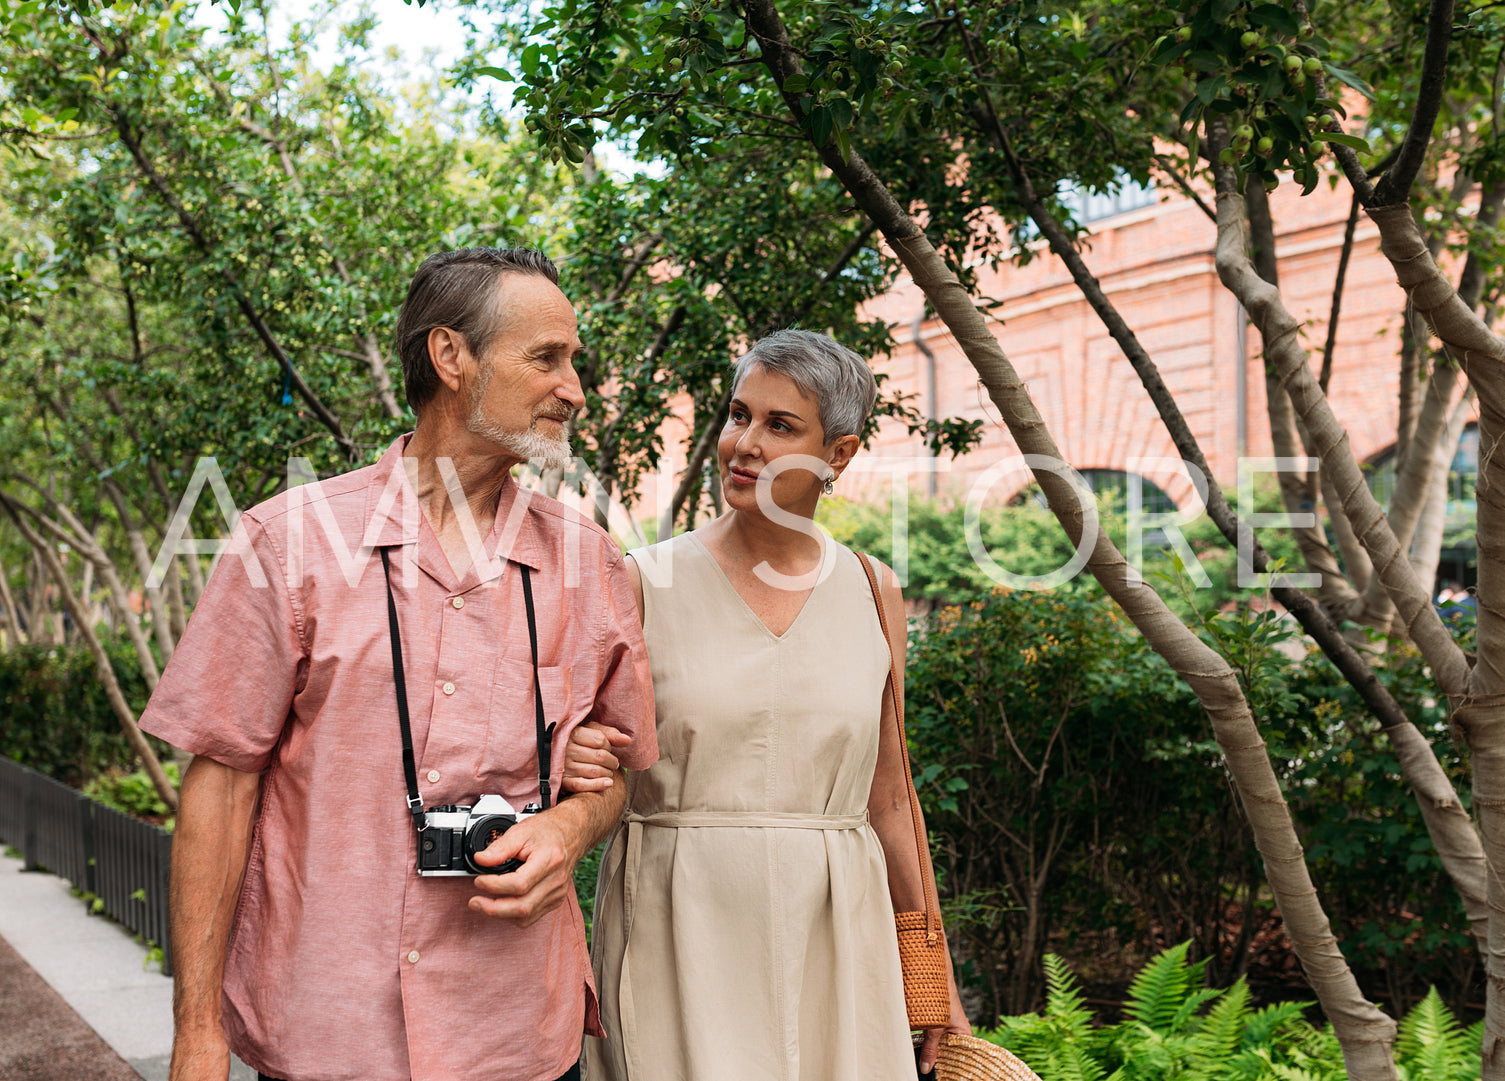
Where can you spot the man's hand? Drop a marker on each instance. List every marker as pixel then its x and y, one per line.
pixel 589 764
pixel 544 845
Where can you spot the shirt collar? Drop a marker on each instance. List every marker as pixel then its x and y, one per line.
pixel 395 517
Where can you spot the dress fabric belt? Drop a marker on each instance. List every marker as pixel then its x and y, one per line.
pixel 635 823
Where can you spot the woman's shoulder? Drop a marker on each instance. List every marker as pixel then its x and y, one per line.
pixel 658 564
pixel 675 545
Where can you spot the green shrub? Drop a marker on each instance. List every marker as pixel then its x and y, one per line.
pixel 1073 788
pixel 132 793
pixel 1178 1029
pixel 54 716
pixel 1078 802
pixel 1027 540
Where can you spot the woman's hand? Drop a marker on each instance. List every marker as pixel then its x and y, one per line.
pixel 930 1048
pixel 588 759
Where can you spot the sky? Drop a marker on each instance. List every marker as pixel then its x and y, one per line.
pixel 416 42
pixel 421 38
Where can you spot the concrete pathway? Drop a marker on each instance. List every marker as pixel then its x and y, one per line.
pixel 101 977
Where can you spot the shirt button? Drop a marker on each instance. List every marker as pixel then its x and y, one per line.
pixel 448 688
pixel 458 602
pixel 433 776
pixel 412 957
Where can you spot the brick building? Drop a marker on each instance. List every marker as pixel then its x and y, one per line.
pixel 1153 253
pixel 1155 263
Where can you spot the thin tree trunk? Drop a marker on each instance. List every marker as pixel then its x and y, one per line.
pixel 1411 598
pixel 1452 831
pixel 123 712
pixel 72 532
pixel 1364 1032
pixel 189 561
pixel 1326 375
pixel 12 617
pixel 1415 472
pixel 1280 331
pixel 1355 559
pixel 134 540
pixel 1412 341
pixel 1413 480
pixel 1297 492
pixel 1479 695
pixel 37 589
pixel 690 480
pixel 161 627
pixel 1426 545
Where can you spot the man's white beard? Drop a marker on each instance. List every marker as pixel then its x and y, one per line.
pixel 528 444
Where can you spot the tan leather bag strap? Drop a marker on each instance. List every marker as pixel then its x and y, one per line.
pixel 927 881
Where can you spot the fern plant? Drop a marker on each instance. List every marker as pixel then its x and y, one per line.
pixel 1432 1046
pixel 1175 1029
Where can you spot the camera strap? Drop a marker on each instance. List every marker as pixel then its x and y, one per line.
pixel 544 732
pixel 409 766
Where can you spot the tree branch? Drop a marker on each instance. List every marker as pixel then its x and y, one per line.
pixel 85 626
pixel 1337 305
pixel 196 234
pixel 1395 186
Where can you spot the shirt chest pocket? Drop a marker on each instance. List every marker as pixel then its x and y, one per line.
pixel 509 758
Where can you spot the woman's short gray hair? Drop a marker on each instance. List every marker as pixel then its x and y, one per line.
pixel 838 379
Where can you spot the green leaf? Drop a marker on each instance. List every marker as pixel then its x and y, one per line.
pixel 1347 77
pixel 1209 88
pixel 529 60
pixel 496 73
pixel 1275 17
pixel 841 115
pixel 1309 178
pixel 796 84
pixel 843 144
pixel 1346 140
pixel 820 125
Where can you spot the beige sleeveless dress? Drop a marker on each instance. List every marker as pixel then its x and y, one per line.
pixel 743 928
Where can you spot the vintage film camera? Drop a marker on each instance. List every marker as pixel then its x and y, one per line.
pixel 452 836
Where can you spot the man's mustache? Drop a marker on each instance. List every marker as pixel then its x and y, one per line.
pixel 563 414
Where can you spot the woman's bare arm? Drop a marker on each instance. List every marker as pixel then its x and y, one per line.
pixel 891 816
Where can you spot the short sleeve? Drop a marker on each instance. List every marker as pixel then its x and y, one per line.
pixel 624 699
pixel 228 689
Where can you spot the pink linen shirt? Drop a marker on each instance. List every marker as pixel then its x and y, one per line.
pixel 343 963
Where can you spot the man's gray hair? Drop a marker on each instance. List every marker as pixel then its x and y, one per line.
pixel 838 379
pixel 457 289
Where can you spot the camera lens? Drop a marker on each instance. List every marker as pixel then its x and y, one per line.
pixel 480 833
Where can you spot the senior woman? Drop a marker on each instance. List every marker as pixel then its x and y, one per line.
pixel 744 923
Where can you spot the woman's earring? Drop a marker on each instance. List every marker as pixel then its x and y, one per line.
pixel 830 485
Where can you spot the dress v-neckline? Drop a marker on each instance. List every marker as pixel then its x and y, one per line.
pixel 821 575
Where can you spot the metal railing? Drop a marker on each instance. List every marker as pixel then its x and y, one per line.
pixel 121 860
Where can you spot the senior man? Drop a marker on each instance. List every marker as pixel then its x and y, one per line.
pixel 304 937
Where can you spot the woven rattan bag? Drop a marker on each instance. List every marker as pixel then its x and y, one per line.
pixel 966 1058
pixel 922 944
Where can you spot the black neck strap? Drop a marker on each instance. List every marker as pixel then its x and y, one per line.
pixel 544 732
